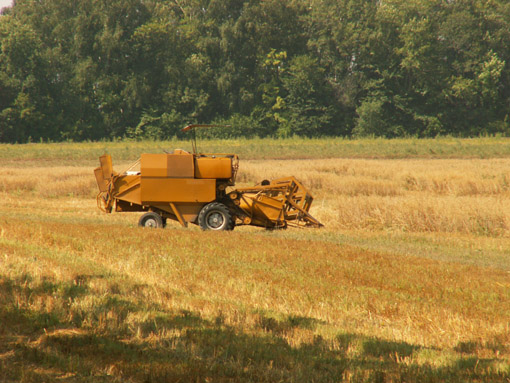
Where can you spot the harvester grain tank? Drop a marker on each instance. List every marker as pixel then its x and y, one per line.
pixel 192 188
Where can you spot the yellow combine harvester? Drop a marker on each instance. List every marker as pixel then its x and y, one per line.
pixel 192 188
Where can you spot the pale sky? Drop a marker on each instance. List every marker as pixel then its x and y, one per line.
pixel 5 3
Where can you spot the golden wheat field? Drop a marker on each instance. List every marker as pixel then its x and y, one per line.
pixel 407 282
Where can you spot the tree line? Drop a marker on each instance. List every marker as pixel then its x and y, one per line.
pixel 103 69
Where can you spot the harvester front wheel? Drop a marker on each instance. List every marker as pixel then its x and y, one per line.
pixel 151 220
pixel 215 216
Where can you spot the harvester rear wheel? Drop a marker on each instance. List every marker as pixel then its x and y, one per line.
pixel 215 216
pixel 151 220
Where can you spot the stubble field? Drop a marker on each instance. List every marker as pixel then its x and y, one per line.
pixel 408 281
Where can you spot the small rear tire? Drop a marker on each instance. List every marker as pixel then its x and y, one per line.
pixel 215 216
pixel 151 220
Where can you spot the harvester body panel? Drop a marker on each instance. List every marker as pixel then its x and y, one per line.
pixel 213 168
pixel 167 165
pixel 159 189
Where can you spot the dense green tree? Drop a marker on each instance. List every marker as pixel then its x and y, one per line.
pixel 307 102
pixel 93 69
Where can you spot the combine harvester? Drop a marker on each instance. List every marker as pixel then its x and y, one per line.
pixel 192 188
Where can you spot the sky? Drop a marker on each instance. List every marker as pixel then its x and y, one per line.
pixel 5 3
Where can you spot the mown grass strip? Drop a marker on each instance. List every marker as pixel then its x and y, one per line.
pixel 267 148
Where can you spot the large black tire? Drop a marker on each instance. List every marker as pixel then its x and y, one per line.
pixel 151 220
pixel 215 216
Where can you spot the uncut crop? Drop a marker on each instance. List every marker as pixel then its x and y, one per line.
pixel 408 281
pixel 466 196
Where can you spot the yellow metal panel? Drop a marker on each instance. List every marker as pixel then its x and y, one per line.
pixel 218 168
pixel 263 210
pixel 106 166
pixel 179 165
pixel 177 190
pixel 101 182
pixel 189 211
pixel 167 165
pixel 154 165
pixel 177 213
pixel 128 189
pixel 269 207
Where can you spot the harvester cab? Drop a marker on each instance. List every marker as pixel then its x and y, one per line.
pixel 192 188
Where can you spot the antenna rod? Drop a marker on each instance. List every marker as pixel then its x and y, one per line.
pixel 194 135
pixel 194 141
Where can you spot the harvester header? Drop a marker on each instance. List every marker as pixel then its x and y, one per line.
pixel 195 188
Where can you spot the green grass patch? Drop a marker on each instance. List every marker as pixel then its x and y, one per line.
pixel 292 148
